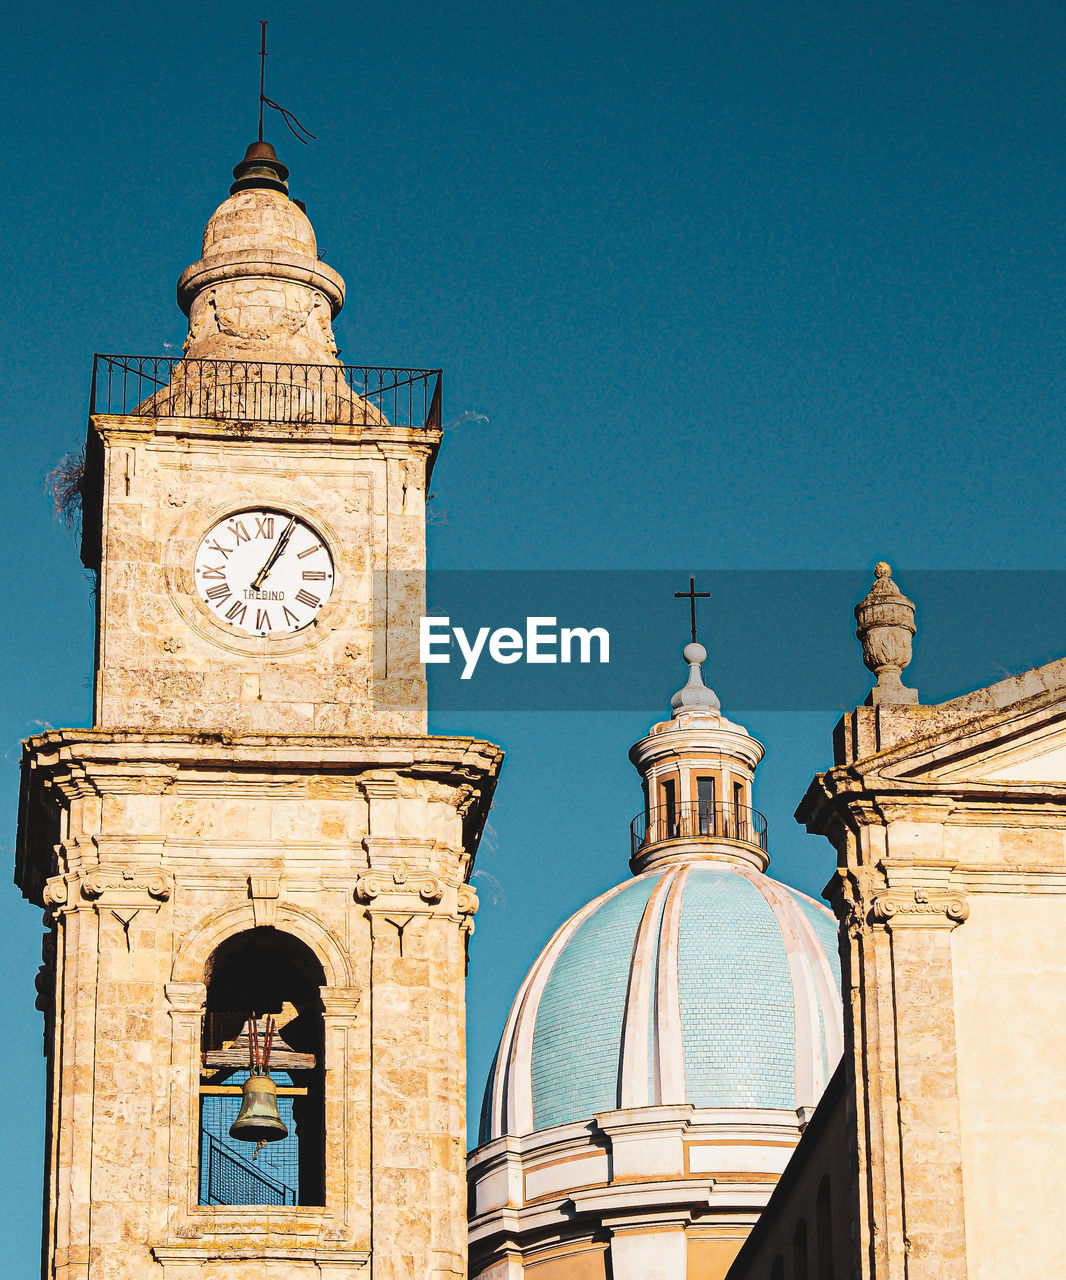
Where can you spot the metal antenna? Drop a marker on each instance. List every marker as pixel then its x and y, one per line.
pixel 262 72
pixel 295 127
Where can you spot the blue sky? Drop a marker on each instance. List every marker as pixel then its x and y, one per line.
pixel 773 286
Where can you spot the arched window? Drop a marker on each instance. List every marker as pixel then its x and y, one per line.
pixel 777 1270
pixel 251 975
pixel 800 1269
pixel 823 1232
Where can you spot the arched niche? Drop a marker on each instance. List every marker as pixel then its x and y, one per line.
pixel 254 974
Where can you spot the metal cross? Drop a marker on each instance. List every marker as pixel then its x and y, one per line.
pixel 692 595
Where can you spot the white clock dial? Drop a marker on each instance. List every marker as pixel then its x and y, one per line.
pixel 264 572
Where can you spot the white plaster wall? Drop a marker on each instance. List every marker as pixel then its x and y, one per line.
pixel 1010 1010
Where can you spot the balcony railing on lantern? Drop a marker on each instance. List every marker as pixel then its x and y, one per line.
pixel 693 820
pixel 258 391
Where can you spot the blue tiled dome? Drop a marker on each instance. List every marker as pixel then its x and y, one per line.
pixel 701 983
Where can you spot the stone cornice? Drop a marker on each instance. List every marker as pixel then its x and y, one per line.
pixel 300 437
pixel 847 798
pixel 62 767
pixel 137 753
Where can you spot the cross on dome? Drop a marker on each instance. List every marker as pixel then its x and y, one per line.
pixel 692 595
pixel 695 696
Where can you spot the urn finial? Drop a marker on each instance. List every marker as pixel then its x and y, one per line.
pixel 886 627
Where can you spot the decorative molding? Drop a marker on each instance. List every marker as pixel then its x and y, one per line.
pixel 264 892
pixel 318 1259
pixel 922 908
pixel 380 786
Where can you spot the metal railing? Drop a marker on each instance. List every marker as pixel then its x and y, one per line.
pixel 692 820
pixel 231 1180
pixel 258 391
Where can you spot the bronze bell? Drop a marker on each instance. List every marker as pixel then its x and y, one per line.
pixel 258 1120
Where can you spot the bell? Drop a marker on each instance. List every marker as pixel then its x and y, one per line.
pixel 258 1120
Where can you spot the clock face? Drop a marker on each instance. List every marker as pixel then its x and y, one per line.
pixel 264 572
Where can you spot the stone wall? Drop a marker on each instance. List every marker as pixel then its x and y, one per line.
pixel 362 851
pixel 166 661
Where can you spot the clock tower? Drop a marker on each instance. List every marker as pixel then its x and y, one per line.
pixel 257 824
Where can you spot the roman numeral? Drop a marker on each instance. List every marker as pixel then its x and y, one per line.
pixel 221 592
pixel 314 575
pixel 217 546
pixel 238 607
pixel 239 532
pixel 309 551
pixel 305 597
pixel 262 620
pixel 209 571
pixel 289 617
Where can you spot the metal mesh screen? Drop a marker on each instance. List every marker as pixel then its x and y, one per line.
pixel 228 1175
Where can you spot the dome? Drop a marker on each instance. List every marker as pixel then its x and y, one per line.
pixel 699 983
pixel 253 217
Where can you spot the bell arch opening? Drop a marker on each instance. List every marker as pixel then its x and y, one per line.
pixel 253 976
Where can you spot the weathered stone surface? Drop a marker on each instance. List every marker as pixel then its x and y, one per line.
pixel 234 782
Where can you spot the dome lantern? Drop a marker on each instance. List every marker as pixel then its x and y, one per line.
pixel 698 768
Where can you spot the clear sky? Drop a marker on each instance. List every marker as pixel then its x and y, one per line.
pixel 762 286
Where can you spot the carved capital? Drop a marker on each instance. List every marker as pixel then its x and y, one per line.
pixel 55 893
pixel 467 900
pixel 923 909
pixel 340 1002
pixel 186 997
pixel 124 888
pixel 399 882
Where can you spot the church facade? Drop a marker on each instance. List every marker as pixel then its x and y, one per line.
pixel 938 1157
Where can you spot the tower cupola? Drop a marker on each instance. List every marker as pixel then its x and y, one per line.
pixel 698 769
pixel 259 290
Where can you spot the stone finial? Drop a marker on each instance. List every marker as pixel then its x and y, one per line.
pixel 259 291
pixel 886 627
pixel 695 696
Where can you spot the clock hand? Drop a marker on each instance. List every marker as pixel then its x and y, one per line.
pixel 272 559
